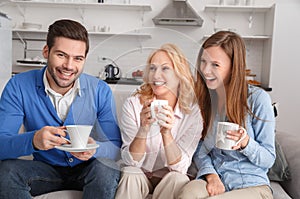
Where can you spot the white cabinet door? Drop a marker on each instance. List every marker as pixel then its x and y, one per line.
pixel 5 51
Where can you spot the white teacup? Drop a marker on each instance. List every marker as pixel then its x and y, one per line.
pixel 79 135
pixel 156 105
pixel 221 141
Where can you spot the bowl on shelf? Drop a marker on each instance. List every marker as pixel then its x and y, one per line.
pixel 31 26
pixel 32 62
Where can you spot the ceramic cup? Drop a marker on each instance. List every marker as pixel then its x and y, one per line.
pixel 249 2
pixel 221 141
pixel 79 135
pixel 238 2
pixel 156 105
pixel 221 2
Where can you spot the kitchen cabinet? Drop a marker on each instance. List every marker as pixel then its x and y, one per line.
pixel 40 34
pixel 82 8
pixel 83 5
pixel 237 8
pixel 121 92
pixel 94 16
pixel 5 50
pixel 255 25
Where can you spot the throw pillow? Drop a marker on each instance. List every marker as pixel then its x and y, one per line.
pixel 280 169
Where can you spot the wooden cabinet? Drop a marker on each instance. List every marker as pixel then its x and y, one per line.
pixel 255 25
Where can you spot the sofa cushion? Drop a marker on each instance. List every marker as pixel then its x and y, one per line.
pixel 278 191
pixel 280 169
pixel 290 143
pixel 67 194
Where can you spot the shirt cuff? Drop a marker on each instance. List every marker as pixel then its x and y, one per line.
pixel 250 149
pixel 131 162
pixel 204 171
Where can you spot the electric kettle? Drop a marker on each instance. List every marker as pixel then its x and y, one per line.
pixel 111 72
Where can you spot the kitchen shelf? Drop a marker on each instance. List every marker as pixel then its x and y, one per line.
pixel 234 8
pixel 31 65
pixel 142 35
pixel 27 32
pixel 248 37
pixel 142 7
pixel 258 23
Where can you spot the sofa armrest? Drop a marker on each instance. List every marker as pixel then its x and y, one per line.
pixel 290 144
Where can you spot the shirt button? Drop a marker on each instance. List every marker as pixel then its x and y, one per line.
pixel 70 159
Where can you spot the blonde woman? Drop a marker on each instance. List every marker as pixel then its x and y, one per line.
pixel 157 156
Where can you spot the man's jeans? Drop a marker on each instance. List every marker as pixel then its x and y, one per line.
pixel 97 178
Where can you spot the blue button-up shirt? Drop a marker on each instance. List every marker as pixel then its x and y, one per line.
pixel 247 167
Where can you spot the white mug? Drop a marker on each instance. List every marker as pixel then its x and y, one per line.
pixel 221 2
pixel 221 141
pixel 156 105
pixel 249 2
pixel 79 135
pixel 238 2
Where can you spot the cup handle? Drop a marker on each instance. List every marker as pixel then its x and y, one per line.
pixel 65 138
pixel 66 131
pixel 243 137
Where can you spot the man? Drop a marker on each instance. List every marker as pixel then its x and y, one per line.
pixel 47 100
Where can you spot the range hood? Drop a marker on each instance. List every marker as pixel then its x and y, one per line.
pixel 178 13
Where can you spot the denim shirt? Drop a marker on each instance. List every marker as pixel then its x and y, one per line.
pixel 248 167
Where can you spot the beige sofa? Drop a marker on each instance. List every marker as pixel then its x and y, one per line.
pixel 282 190
pixel 290 144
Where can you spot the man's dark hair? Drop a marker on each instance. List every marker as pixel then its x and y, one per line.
pixel 68 29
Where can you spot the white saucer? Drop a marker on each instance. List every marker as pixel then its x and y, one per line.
pixel 68 148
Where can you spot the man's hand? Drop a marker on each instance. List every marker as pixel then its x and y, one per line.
pixel 48 137
pixel 86 155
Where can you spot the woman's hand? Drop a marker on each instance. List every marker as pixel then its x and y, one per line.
pixel 214 185
pixel 238 135
pixel 137 147
pixel 166 118
pixel 145 115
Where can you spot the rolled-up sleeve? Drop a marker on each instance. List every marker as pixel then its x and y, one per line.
pixel 187 137
pixel 129 124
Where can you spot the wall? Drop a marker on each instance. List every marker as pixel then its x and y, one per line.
pixel 5 52
pixel 130 53
pixel 285 65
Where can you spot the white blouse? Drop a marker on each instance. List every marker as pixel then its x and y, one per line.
pixel 186 132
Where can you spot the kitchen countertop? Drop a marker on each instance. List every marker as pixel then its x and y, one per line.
pixel 128 81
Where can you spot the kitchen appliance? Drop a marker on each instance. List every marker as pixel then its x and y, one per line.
pixel 5 50
pixel 178 13
pixel 111 72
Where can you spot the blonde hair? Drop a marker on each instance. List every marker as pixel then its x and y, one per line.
pixel 186 94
